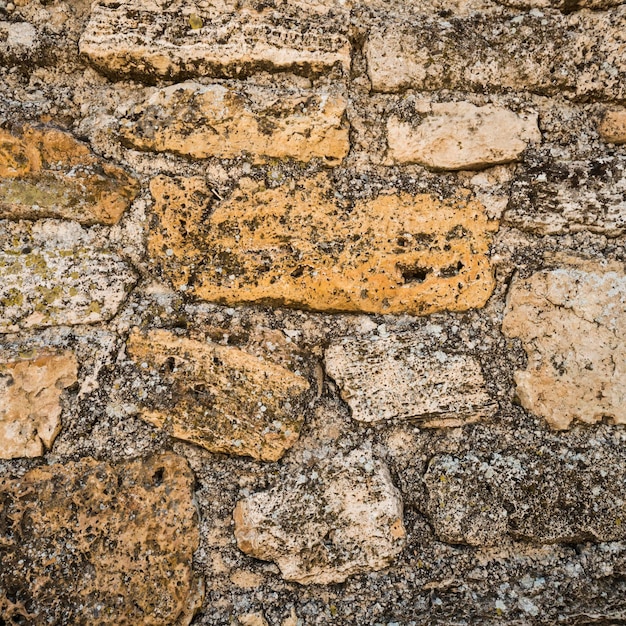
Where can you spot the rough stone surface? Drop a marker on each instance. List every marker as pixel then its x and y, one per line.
pixel 567 6
pixel 544 496
pixel 572 323
pixel 91 542
pixel 47 173
pixel 545 53
pixel 396 377
pixel 169 40
pixel 60 285
pixel 558 197
pixel 30 409
pixel 222 398
pixel 215 120
pixel 612 128
pixel 459 135
pixel 342 517
pixel 19 42
pixel 295 246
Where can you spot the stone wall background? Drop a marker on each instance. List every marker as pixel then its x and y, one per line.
pixel 312 312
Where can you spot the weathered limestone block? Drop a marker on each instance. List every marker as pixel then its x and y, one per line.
pixel 94 543
pixel 166 40
pixel 579 55
pixel 572 323
pixel 397 378
pixel 461 136
pixel 222 398
pixel 295 246
pixel 216 120
pixel 340 517
pixel 19 42
pixel 570 196
pixel 30 408
pixel 48 173
pixel 60 285
pixel 612 128
pixel 551 495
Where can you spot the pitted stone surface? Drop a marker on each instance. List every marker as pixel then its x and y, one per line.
pixel 572 323
pixel 173 41
pixel 30 409
pixel 459 135
pixel 222 398
pixel 397 378
pixel 340 516
pixel 48 173
pixel 579 55
pixel 295 246
pixel 612 128
pixel 567 6
pixel 90 542
pixel 19 42
pixel 216 120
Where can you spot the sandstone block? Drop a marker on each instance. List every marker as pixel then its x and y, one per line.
pixel 165 40
pixel 30 408
pixel 223 398
pixel 397 378
pixel 558 197
pixel 612 128
pixel 48 173
pixel 90 542
pixel 343 516
pixel 461 136
pixel 60 285
pixel 572 323
pixel 295 246
pixel 578 54
pixel 216 120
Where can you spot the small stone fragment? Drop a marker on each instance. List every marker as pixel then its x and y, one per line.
pixel 30 408
pixel 295 246
pixel 60 285
pixel 93 543
pixel 461 136
pixel 338 517
pixel 612 128
pixel 397 378
pixel 222 398
pixel 48 173
pixel 216 120
pixel 572 323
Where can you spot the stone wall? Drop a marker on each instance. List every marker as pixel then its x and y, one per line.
pixel 312 312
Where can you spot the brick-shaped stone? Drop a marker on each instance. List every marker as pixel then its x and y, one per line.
pixel 461 136
pixel 168 40
pixel 296 246
pixel 612 128
pixel 221 398
pixel 579 55
pixel 556 197
pixel 48 173
pixel 337 517
pixel 398 378
pixel 93 543
pixel 227 122
pixel 572 324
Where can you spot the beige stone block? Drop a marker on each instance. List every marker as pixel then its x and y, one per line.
pixel 30 407
pixel 461 136
pixel 612 128
pixel 227 122
pixel 337 517
pixel 48 173
pixel 100 544
pixel 295 246
pixel 223 399
pixel 572 324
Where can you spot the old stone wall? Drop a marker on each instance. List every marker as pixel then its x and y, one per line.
pixel 312 312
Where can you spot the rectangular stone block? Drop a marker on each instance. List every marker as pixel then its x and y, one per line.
pixel 296 246
pixel 173 41
pixel 398 378
pixel 579 55
pixel 227 122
